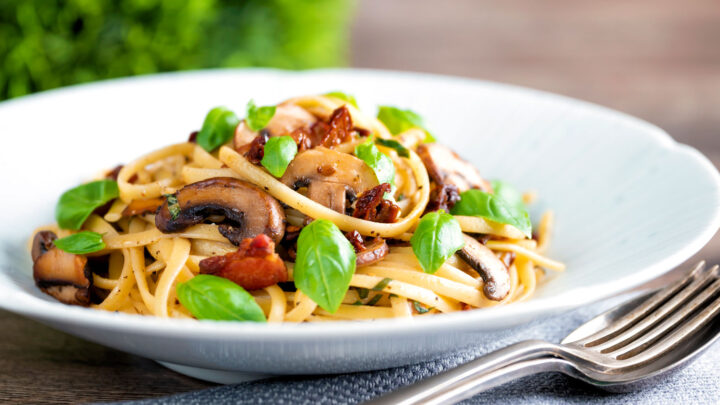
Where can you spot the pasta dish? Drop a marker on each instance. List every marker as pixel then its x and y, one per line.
pixel 306 211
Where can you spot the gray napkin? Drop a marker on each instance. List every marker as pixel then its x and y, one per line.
pixel 696 384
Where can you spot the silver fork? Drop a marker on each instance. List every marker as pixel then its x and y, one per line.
pixel 622 349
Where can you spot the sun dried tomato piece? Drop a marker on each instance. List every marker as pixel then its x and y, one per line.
pixel 372 207
pixel 303 139
pixel 356 240
pixel 113 174
pixel 255 150
pixel 443 197
pixel 193 137
pixel 253 266
pixel 341 128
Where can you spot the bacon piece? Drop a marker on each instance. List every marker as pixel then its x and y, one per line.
pixel 253 266
pixel 142 206
pixel 372 207
pixel 443 197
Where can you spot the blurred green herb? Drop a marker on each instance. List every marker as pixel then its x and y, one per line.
pixel 47 44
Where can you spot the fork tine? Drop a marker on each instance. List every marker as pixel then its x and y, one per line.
pixel 612 330
pixel 645 341
pixel 654 317
pixel 672 340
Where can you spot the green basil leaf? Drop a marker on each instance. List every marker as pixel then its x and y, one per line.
pixel 382 165
pixel 76 204
pixel 391 143
pixel 218 128
pixel 81 243
pixel 324 264
pixel 397 121
pixel 219 299
pixel 437 237
pixel 257 118
pixel 279 152
pixel 343 96
pixel 510 194
pixel 481 204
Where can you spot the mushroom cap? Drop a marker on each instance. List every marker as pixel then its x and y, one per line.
pixel 329 166
pixel 287 118
pixel 247 209
pixel 445 167
pixel 492 270
pixel 60 274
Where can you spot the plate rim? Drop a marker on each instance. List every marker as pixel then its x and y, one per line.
pixel 23 303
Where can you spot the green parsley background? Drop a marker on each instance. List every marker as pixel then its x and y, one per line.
pixel 46 44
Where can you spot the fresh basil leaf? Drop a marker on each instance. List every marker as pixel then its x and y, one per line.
pixel 437 237
pixel 382 165
pixel 391 143
pixel 343 96
pixel 81 243
pixel 397 120
pixel 510 194
pixel 257 118
pixel 324 265
pixel 218 128
pixel 279 152
pixel 76 204
pixel 481 204
pixel 217 298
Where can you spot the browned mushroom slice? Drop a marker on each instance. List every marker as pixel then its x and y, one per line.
pixel 62 275
pixel 142 206
pixel 329 176
pixel 445 167
pixel 492 270
pixel 373 253
pixel 287 118
pixel 247 210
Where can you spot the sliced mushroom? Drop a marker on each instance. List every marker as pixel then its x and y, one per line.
pixel 330 176
pixel 246 210
pixel 373 253
pixel 62 275
pixel 492 270
pixel 287 118
pixel 445 167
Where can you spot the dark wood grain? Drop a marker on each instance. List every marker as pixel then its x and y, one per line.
pixel 657 59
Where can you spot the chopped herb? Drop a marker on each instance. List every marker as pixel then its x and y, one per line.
pixel 382 284
pixel 173 205
pixel 391 143
pixel 393 296
pixel 419 308
pixel 358 302
pixel 374 300
pixel 363 292
pixel 401 197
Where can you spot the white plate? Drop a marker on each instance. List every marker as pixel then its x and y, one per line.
pixel 630 204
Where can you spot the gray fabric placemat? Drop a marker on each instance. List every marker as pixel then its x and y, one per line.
pixel 698 383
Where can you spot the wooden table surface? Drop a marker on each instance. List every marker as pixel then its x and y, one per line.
pixel 656 59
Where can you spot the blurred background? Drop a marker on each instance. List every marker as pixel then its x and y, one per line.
pixel 656 59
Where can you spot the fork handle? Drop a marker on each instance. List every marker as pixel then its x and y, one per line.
pixel 515 361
